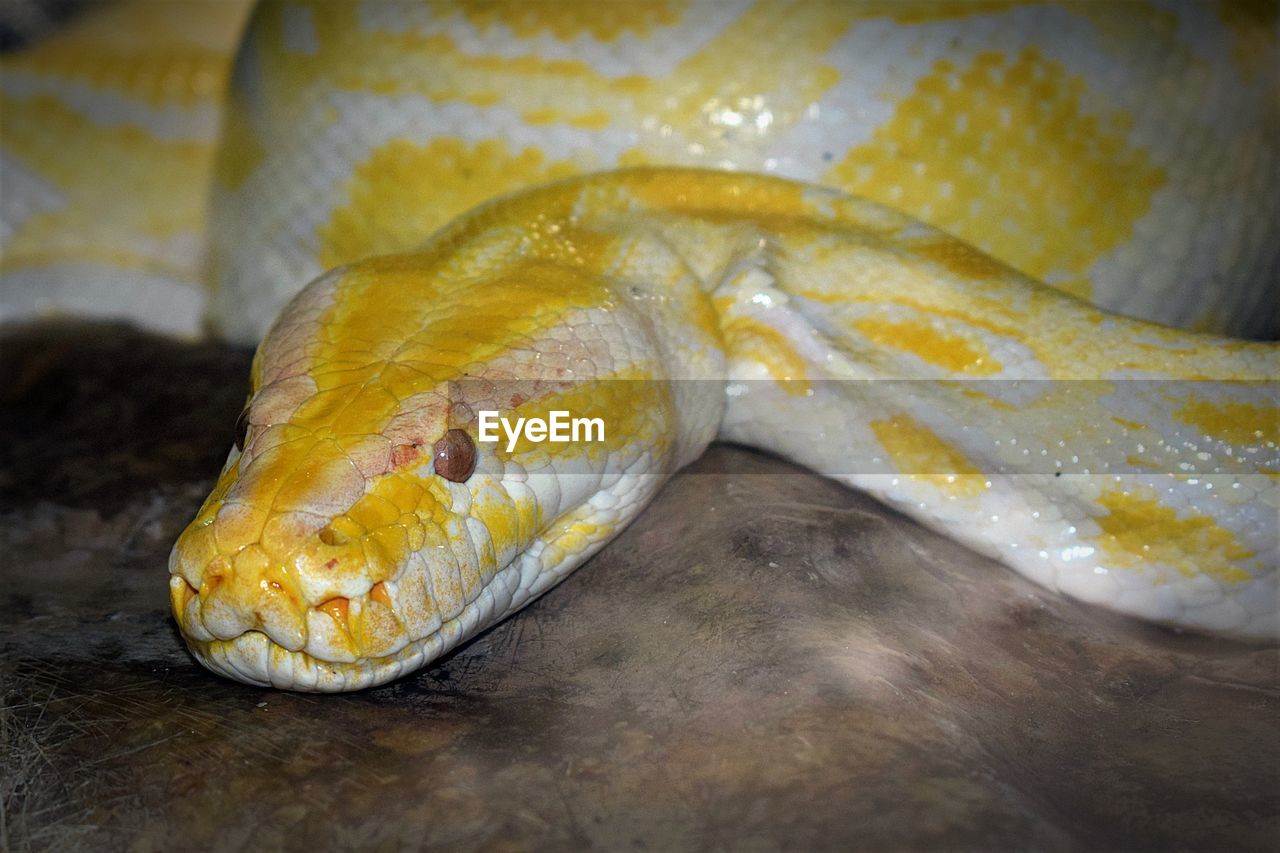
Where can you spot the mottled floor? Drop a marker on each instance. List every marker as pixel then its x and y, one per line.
pixel 765 660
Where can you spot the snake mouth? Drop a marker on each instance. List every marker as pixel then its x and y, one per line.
pixel 254 658
pixel 336 646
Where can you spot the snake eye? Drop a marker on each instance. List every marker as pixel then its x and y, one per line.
pixel 242 428
pixel 455 456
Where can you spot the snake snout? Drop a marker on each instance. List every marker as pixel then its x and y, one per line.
pixel 302 609
pixel 216 597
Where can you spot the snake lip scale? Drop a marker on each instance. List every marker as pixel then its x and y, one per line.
pixel 1004 269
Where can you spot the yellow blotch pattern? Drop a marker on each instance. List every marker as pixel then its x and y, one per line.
pixel 386 524
pixel 718 104
pixel 718 101
pixel 751 340
pixel 1058 188
pixel 919 452
pixel 480 321
pixel 1238 423
pixel 159 53
pixel 405 190
pixel 1139 529
pixel 770 203
pixel 565 21
pixel 928 343
pixel 961 259
pixel 98 169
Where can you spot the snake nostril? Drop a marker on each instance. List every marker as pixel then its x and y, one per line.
pixel 329 536
pixel 214 575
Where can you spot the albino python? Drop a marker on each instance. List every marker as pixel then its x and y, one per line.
pixel 1041 371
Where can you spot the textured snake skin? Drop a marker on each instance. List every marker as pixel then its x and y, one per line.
pixel 1122 153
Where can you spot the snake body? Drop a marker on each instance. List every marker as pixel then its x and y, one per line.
pixel 685 298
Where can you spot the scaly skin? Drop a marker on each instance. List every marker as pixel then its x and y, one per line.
pixel 678 306
pixel 1122 152
pixel 1117 152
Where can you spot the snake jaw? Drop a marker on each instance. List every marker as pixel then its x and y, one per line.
pixel 230 601
pixel 267 638
pixel 349 644
pixel 309 602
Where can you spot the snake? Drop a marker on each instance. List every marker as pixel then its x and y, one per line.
pixel 1008 267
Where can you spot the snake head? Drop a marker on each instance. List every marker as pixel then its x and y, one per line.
pixel 361 528
pixel 321 550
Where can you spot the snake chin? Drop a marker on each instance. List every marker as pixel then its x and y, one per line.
pixel 254 658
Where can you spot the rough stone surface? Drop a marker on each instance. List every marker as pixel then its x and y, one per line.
pixel 764 660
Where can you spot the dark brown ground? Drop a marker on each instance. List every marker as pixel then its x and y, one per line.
pixel 764 660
